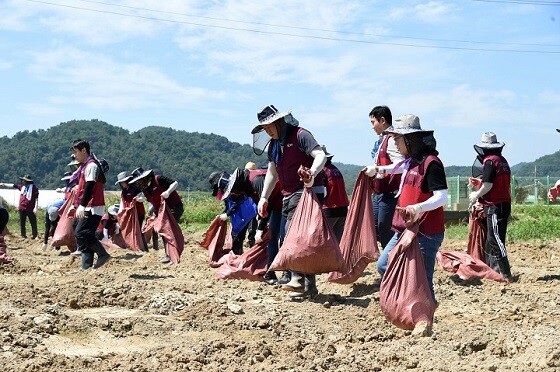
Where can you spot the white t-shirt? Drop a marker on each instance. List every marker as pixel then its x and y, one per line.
pixel 91 173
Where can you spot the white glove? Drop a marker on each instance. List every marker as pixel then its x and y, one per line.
pixel 262 206
pixel 473 197
pixel 414 211
pixel 370 170
pixel 309 183
pixel 165 194
pixel 223 217
pixel 258 236
pixel 80 212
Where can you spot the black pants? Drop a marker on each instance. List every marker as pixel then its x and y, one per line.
pixel 4 218
pixel 32 220
pixel 85 229
pixel 495 246
pixel 50 227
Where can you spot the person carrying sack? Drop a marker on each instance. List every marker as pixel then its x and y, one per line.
pixel 294 159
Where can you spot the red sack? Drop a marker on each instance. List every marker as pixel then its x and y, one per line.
pixel 211 232
pixel 218 246
pixel 405 295
pixel 64 233
pixel 359 241
pixel 477 233
pixel 552 193
pixel 166 226
pixel 130 228
pixel 466 266
pixel 4 258
pixel 148 227
pixel 250 265
pixel 310 246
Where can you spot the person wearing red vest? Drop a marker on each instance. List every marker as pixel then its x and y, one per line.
pixel 289 148
pixel 386 176
pixel 336 200
pixel 89 205
pixel 422 193
pixel 156 188
pixel 494 194
pixel 27 204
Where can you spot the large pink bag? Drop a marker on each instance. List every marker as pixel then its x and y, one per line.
pixel 219 244
pixel 64 233
pixel 166 226
pixel 130 228
pixel 250 265
pixel 310 246
pixel 405 295
pixel 359 241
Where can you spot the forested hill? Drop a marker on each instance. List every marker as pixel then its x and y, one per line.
pixel 185 156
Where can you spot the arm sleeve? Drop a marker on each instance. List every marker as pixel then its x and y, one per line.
pixel 88 193
pixel 488 172
pixel 435 178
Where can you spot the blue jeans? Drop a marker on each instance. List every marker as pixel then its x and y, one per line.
pixel 383 210
pixel 429 245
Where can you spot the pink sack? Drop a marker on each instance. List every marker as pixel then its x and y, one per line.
pixel 477 232
pixel 130 228
pixel 466 266
pixel 250 265
pixel 64 233
pixel 310 246
pixel 211 232
pixel 166 226
pixel 218 246
pixel 405 295
pixel 359 241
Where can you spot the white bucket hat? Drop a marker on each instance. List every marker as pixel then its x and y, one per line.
pixel 406 124
pixel 123 177
pixel 489 140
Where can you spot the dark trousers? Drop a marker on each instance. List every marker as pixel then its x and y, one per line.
pixel 237 240
pixel 50 227
pixel 276 224
pixel 85 229
pixel 383 211
pixel 251 231
pixel 32 220
pixel 495 246
pixel 4 218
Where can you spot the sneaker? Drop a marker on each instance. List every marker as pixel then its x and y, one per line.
pixel 422 329
pixel 101 261
pixel 297 296
pixel 165 259
pixel 77 252
pixel 270 277
pixel 294 285
pixel 285 279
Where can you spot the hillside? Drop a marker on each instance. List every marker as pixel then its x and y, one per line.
pixel 188 157
pixel 184 156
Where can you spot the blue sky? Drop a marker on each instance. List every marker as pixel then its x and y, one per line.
pixel 464 67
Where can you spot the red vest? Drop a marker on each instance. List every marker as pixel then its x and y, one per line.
pixel 27 205
pixel 500 191
pixel 127 196
pixel 390 182
pixel 411 193
pixel 336 190
pixel 290 160
pixel 112 224
pixel 98 198
pixel 153 194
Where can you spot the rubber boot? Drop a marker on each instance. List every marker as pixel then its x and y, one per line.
pixel 296 284
pixel 310 288
pixel 505 269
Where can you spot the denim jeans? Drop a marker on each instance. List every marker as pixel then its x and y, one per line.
pixel 383 210
pixel 429 245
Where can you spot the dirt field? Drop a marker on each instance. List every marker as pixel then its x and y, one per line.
pixel 136 314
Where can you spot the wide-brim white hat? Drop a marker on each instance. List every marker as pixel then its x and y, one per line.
pixel 489 140
pixel 406 124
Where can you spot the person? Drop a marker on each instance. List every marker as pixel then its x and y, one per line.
pixel 252 229
pixel 4 218
pixel 385 173
pixel 239 199
pixel 89 204
pixel 27 204
pixel 155 189
pixel 132 194
pixel 336 200
pixel 494 194
pixel 295 159
pixel 272 221
pixel 422 194
pixel 51 213
pixel 108 226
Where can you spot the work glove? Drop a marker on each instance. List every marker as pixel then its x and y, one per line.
pixel 80 212
pixel 370 170
pixel 223 217
pixel 258 236
pixel 309 181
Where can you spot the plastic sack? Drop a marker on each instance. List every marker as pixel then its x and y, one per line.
pixel 130 228
pixel 250 265
pixel 64 232
pixel 310 246
pixel 405 295
pixel 166 226
pixel 359 240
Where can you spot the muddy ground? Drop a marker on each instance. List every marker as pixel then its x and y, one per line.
pixel 136 314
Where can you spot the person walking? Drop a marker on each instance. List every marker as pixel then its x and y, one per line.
pixel 294 159
pixel 89 204
pixel 493 177
pixel 386 175
pixel 131 194
pixel 27 206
